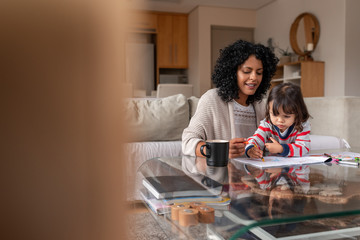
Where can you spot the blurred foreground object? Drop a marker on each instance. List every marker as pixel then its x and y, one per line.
pixel 61 65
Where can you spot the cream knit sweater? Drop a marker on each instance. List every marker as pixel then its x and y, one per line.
pixel 213 119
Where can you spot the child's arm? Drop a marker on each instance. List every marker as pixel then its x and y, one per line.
pixel 260 175
pixel 300 175
pixel 299 147
pixel 302 142
pixel 275 147
pixel 256 143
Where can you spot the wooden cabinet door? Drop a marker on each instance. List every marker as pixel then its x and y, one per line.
pixel 312 79
pixel 180 41
pixel 172 41
pixel 164 41
pixel 143 22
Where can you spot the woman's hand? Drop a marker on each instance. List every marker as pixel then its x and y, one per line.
pixel 236 147
pixel 274 147
pixel 255 152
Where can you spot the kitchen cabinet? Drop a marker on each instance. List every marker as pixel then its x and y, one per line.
pixel 143 22
pixel 309 75
pixel 172 41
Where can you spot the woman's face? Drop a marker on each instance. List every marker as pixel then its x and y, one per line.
pixel 249 76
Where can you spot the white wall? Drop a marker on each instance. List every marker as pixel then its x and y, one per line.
pixel 275 21
pixel 194 51
pixel 352 49
pixel 338 44
pixel 200 21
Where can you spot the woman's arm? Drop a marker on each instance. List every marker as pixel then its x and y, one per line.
pixel 195 134
pixel 210 121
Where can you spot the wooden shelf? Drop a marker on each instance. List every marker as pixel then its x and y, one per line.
pixel 143 22
pixel 309 75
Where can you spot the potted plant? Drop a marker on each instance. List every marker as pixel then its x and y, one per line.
pixel 285 55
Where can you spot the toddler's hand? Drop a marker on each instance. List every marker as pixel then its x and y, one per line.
pixel 255 152
pixel 273 171
pixel 274 147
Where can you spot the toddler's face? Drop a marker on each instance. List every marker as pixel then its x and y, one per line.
pixel 283 120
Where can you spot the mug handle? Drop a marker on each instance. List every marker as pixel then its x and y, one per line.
pixel 202 150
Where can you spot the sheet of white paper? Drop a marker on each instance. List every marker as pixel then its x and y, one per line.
pixel 275 161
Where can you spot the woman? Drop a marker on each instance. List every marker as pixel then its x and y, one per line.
pixel 233 110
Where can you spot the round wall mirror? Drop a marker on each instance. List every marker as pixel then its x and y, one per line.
pixel 304 34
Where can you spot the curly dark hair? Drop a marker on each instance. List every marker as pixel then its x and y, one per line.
pixel 225 73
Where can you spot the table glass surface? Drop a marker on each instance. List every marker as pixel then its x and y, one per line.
pixel 274 203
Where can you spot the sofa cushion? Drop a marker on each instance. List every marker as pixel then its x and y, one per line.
pixel 140 152
pixel 193 102
pixel 320 142
pixel 335 116
pixel 160 119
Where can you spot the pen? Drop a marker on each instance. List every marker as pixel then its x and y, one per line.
pixel 355 162
pixel 349 163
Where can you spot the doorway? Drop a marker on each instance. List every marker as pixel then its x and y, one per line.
pixel 222 36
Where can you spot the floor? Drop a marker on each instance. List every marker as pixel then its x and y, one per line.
pixel 142 225
pixel 137 207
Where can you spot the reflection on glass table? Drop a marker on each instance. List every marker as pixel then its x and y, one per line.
pixel 309 201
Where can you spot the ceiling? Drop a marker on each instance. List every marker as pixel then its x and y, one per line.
pixel 186 6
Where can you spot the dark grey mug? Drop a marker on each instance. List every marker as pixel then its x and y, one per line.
pixel 217 152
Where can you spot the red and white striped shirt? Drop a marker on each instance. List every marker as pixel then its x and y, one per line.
pixel 298 175
pixel 295 143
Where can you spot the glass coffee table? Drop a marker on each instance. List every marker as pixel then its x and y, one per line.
pixel 317 201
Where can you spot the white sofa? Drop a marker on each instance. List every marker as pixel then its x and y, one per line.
pixel 157 126
pixel 336 116
pixel 169 89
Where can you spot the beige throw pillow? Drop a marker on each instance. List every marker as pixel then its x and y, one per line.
pixel 193 102
pixel 160 119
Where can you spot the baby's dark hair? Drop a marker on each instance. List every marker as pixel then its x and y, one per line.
pixel 225 72
pixel 288 96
